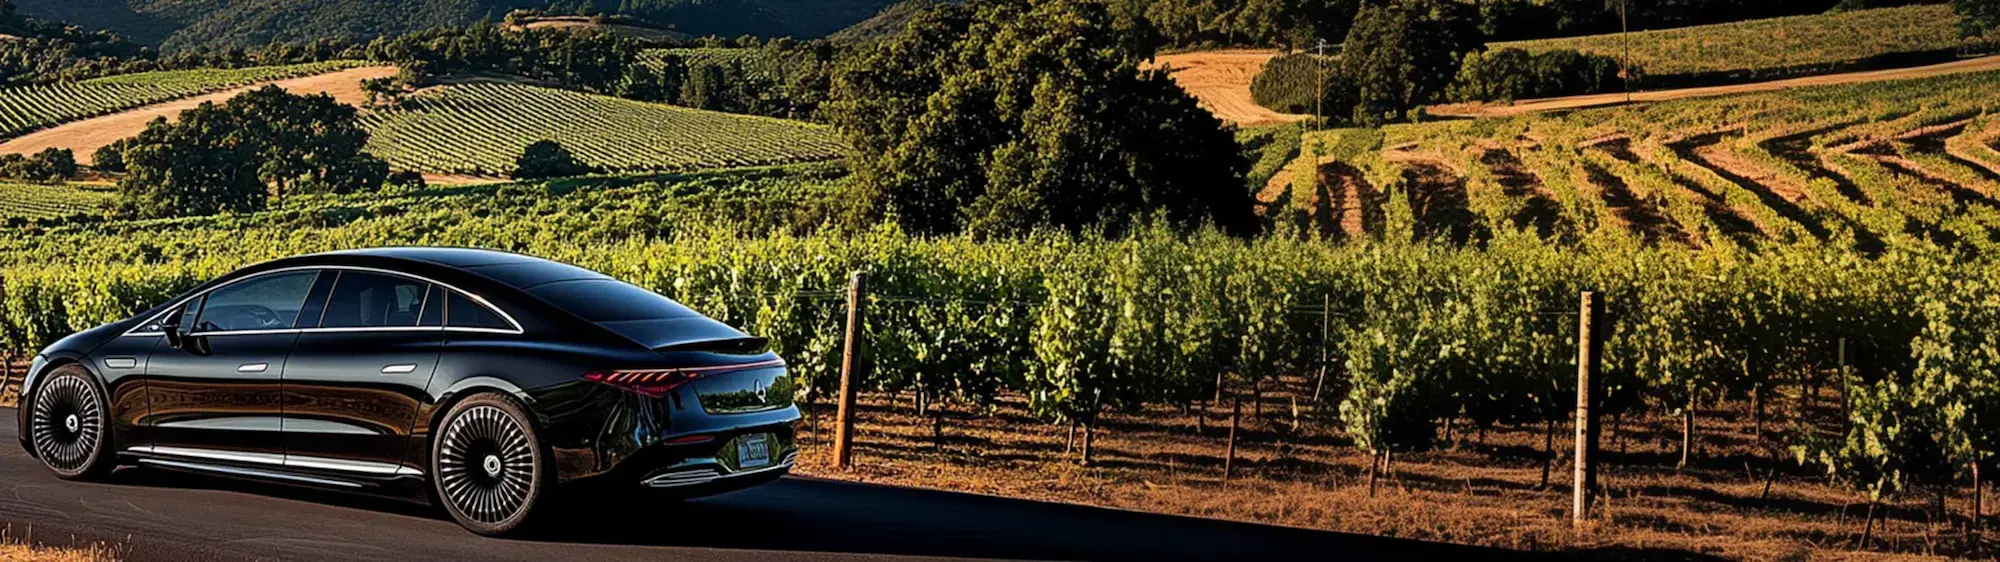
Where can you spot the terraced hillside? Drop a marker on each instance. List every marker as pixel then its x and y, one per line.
pixel 28 108
pixel 479 129
pixel 1871 166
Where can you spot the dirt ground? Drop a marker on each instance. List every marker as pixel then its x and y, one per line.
pixel 1220 80
pixel 86 136
pixel 1578 102
pixel 1293 468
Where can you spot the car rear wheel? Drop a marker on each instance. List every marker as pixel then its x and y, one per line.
pixel 488 467
pixel 68 424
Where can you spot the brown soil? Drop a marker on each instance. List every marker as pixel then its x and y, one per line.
pixel 1717 157
pixel 1485 487
pixel 1596 100
pixel 1220 80
pixel 86 136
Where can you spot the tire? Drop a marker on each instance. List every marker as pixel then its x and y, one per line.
pixel 489 469
pixel 69 425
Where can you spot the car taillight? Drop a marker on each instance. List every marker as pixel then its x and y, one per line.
pixel 657 383
pixel 651 384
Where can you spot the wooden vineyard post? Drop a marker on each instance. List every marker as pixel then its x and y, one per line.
pixel 1589 393
pixel 850 370
pixel 1325 328
pixel 1229 461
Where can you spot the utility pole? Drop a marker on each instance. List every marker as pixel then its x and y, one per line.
pixel 1625 39
pixel 1319 86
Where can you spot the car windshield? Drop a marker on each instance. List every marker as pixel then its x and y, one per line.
pixel 605 300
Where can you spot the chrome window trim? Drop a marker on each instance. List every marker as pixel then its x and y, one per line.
pixel 476 299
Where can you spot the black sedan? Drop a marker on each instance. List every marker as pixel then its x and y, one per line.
pixel 485 380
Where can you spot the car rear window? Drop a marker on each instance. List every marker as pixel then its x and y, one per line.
pixel 605 300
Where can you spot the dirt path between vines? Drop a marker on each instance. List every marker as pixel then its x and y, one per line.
pixel 86 136
pixel 1596 100
pixel 1220 80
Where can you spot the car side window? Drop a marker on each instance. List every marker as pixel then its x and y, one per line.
pixel 467 313
pixel 267 302
pixel 371 300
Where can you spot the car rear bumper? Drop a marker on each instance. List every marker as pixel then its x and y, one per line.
pixel 672 444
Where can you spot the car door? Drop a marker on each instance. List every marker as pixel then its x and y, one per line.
pixel 216 395
pixel 358 375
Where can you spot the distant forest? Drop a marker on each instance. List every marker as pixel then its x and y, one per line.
pixel 209 25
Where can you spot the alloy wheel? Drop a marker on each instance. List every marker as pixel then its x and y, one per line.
pixel 486 464
pixel 67 423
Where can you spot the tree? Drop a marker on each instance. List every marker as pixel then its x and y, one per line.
pixel 234 157
pixel 306 144
pixel 51 164
pixel 547 159
pixel 1001 116
pixel 1978 16
pixel 1404 54
pixel 191 167
pixel 111 157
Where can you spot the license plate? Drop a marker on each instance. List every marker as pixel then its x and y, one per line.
pixel 753 451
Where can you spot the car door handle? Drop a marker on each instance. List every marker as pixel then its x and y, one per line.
pixel 400 369
pixel 252 367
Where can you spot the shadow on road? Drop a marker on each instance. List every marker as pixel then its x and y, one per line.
pixel 812 515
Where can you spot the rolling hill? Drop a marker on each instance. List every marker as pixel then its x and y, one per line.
pixel 189 24
pixel 479 130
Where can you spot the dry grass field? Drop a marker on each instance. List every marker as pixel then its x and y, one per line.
pixel 86 136
pixel 1220 80
pixel 1737 499
pixel 15 549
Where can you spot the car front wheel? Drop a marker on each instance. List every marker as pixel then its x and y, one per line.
pixel 68 425
pixel 489 468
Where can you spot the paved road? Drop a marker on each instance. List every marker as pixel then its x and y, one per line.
pixel 166 516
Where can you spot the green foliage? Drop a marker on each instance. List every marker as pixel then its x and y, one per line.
pixel 267 142
pixel 1268 149
pixel 1980 16
pixel 51 164
pixel 1403 54
pixel 20 202
pixel 1287 85
pixel 1511 74
pixel 1006 115
pixel 547 159
pixel 481 129
pixel 778 79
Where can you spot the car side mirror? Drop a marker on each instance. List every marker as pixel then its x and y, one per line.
pixel 175 336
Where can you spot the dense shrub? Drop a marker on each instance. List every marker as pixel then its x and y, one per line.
pixel 51 164
pixel 1287 82
pixel 1511 74
pixel 547 159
